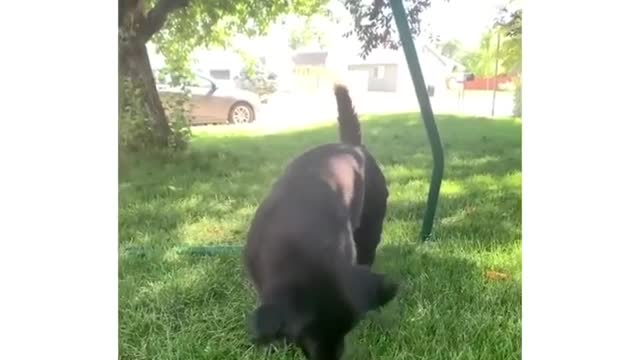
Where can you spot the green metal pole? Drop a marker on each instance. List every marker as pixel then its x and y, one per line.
pixel 400 16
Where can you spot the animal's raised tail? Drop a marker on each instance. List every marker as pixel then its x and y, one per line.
pixel 348 121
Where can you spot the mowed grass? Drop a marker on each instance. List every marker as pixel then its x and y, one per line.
pixel 174 305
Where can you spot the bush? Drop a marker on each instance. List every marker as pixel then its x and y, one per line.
pixel 135 132
pixel 258 80
pixel 178 109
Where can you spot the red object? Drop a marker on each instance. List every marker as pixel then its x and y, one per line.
pixel 487 83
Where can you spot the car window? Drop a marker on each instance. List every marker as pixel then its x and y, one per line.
pixel 165 79
pixel 200 82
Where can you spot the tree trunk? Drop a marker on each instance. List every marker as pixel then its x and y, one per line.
pixel 138 68
pixel 134 64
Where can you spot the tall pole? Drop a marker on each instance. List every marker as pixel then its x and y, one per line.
pixel 495 78
pixel 411 55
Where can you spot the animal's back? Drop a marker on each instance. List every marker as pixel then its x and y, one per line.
pixel 304 217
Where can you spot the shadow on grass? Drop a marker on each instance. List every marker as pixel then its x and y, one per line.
pixel 446 308
pixel 224 177
pixel 176 306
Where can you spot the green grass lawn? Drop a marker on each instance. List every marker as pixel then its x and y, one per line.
pixel 178 306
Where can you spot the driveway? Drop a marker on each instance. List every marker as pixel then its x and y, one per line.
pixel 288 111
pixel 300 109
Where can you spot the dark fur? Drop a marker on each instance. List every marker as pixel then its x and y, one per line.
pixel 300 251
pixel 368 235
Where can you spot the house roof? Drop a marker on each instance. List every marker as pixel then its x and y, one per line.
pixel 436 55
pixel 378 57
pixel 446 61
pixel 310 58
pixel 390 56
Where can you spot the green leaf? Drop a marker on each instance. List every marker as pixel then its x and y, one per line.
pixel 205 23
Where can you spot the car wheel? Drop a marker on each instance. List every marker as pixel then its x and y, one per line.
pixel 241 113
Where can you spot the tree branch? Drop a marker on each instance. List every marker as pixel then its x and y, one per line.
pixel 157 16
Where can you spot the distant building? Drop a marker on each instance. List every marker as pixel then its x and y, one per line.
pixel 387 70
pixel 312 70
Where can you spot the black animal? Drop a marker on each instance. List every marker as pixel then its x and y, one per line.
pixel 312 241
pixel 368 235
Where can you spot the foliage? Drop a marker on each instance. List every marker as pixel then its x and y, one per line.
pixel 177 27
pixel 134 126
pixel 517 99
pixel 307 31
pixel 452 49
pixel 509 23
pixel 179 112
pixel 511 55
pixel 374 25
pixel 513 22
pixel 205 23
pixel 481 61
pixel 508 30
pixel 257 79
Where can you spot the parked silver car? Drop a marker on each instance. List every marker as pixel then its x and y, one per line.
pixel 216 102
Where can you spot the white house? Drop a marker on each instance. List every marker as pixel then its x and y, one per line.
pixel 387 70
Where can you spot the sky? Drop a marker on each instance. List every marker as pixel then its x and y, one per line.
pixel 464 20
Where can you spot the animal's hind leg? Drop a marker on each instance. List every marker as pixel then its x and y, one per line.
pixel 367 238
